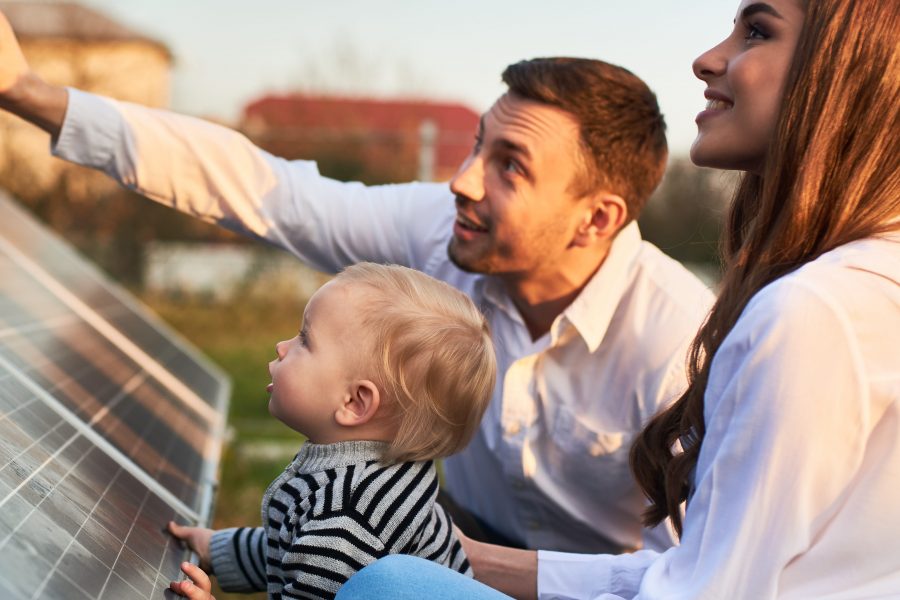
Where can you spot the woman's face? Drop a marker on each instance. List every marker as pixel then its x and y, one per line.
pixel 745 76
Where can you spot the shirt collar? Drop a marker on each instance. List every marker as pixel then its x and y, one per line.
pixel 493 292
pixel 592 310
pixel 594 307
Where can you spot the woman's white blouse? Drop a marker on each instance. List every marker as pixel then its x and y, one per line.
pixel 798 480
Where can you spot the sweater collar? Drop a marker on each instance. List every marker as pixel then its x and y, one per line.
pixel 313 458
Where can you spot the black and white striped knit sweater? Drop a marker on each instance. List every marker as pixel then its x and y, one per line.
pixel 334 510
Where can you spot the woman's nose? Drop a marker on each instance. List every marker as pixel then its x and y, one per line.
pixel 711 63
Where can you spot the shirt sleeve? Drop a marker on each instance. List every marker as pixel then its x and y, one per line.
pixel 565 576
pixel 238 557
pixel 786 420
pixel 218 175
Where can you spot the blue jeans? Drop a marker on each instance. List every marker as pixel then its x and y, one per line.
pixel 402 577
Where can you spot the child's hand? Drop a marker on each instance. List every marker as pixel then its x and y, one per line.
pixel 197 587
pixel 197 539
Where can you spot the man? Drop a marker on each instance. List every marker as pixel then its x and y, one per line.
pixel 591 324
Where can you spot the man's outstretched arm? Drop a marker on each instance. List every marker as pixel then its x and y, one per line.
pixel 25 94
pixel 218 175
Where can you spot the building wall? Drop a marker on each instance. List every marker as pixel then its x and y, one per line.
pixel 136 71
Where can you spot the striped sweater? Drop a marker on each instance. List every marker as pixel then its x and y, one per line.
pixel 334 510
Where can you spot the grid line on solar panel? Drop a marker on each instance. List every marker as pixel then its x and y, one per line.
pixel 88 374
pixel 91 285
pixel 73 522
pixel 117 455
pixel 108 428
pixel 112 334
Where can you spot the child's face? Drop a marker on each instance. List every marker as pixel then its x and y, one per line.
pixel 315 371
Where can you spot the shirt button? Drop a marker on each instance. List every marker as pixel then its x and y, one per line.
pixel 518 484
pixel 513 428
pixel 533 524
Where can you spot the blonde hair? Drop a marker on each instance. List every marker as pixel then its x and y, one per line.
pixel 433 356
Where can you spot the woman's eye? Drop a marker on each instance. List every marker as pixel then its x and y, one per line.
pixel 755 33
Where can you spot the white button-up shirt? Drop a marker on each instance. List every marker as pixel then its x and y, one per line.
pixel 549 465
pixel 797 486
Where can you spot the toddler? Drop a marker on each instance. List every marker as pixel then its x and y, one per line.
pixel 391 369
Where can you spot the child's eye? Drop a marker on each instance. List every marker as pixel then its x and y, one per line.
pixel 301 337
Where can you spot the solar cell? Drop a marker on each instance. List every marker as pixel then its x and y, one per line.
pixel 106 388
pixel 81 282
pixel 74 523
pixel 109 428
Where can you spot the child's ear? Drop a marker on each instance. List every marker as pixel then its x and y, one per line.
pixel 360 405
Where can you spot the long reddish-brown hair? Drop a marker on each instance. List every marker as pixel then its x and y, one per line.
pixel 831 175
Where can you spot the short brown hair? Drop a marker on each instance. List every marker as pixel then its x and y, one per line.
pixel 622 131
pixel 433 356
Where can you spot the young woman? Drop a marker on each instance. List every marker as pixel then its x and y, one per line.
pixel 786 446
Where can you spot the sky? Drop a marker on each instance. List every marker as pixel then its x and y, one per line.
pixel 228 53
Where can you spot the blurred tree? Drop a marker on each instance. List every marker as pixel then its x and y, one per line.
pixel 684 216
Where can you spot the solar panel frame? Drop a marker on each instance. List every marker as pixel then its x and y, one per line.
pixel 63 358
pixel 53 520
pixel 40 423
pixel 82 282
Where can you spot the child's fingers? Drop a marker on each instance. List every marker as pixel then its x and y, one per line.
pixel 197 587
pixel 197 575
pixel 179 531
pixel 194 538
pixel 182 588
pixel 186 589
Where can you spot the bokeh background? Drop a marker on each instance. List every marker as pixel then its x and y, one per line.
pixel 377 92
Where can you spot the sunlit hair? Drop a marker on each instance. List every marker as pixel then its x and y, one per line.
pixel 831 176
pixel 434 359
pixel 623 134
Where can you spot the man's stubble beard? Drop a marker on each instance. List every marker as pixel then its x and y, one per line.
pixel 481 264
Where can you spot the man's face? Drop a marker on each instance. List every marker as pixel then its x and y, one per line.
pixel 516 213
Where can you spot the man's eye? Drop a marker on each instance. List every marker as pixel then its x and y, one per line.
pixel 511 166
pixel 478 141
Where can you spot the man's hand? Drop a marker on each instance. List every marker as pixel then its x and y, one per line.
pixel 13 66
pixel 197 587
pixel 509 570
pixel 25 94
pixel 197 539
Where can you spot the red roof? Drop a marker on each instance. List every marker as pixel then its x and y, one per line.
pixel 330 116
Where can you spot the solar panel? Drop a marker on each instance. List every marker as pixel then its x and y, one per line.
pixel 110 426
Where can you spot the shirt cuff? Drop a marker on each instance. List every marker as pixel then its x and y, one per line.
pixel 89 131
pixel 565 576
